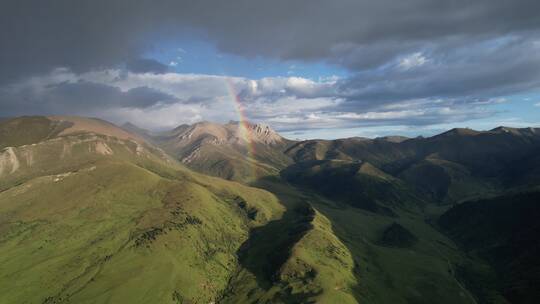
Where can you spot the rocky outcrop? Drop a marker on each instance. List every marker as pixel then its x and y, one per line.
pixel 9 163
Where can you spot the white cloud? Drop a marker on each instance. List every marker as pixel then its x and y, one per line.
pixel 537 104
pixel 286 103
pixel 489 101
pixel 412 61
pixel 381 115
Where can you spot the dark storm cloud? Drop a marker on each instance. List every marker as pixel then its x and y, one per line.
pixel 467 74
pixel 88 95
pixel 79 97
pixel 144 65
pixel 144 97
pixel 37 35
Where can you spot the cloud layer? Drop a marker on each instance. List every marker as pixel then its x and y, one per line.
pixel 160 101
pixel 411 63
pixel 36 36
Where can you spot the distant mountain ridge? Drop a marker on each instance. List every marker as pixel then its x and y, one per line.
pixel 455 165
pixel 237 151
pixel 449 157
pixel 230 133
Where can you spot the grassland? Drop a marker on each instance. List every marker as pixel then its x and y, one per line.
pixel 361 268
pixel 296 259
pixel 89 218
pixel 90 214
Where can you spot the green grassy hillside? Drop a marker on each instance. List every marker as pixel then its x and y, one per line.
pixel 346 255
pixel 91 218
pixel 91 214
pixel 28 130
pixel 296 259
pixel 358 184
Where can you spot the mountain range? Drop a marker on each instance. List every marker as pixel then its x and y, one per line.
pixel 91 212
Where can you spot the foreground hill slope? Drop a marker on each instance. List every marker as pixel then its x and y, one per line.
pixel 90 213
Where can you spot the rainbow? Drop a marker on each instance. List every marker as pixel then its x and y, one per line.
pixel 244 130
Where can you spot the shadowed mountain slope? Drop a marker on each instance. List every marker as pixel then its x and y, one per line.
pixel 358 184
pixel 447 167
pixel 505 232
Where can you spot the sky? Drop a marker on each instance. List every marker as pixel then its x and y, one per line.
pixel 309 69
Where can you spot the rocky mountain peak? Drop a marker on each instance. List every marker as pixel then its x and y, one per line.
pixel 264 133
